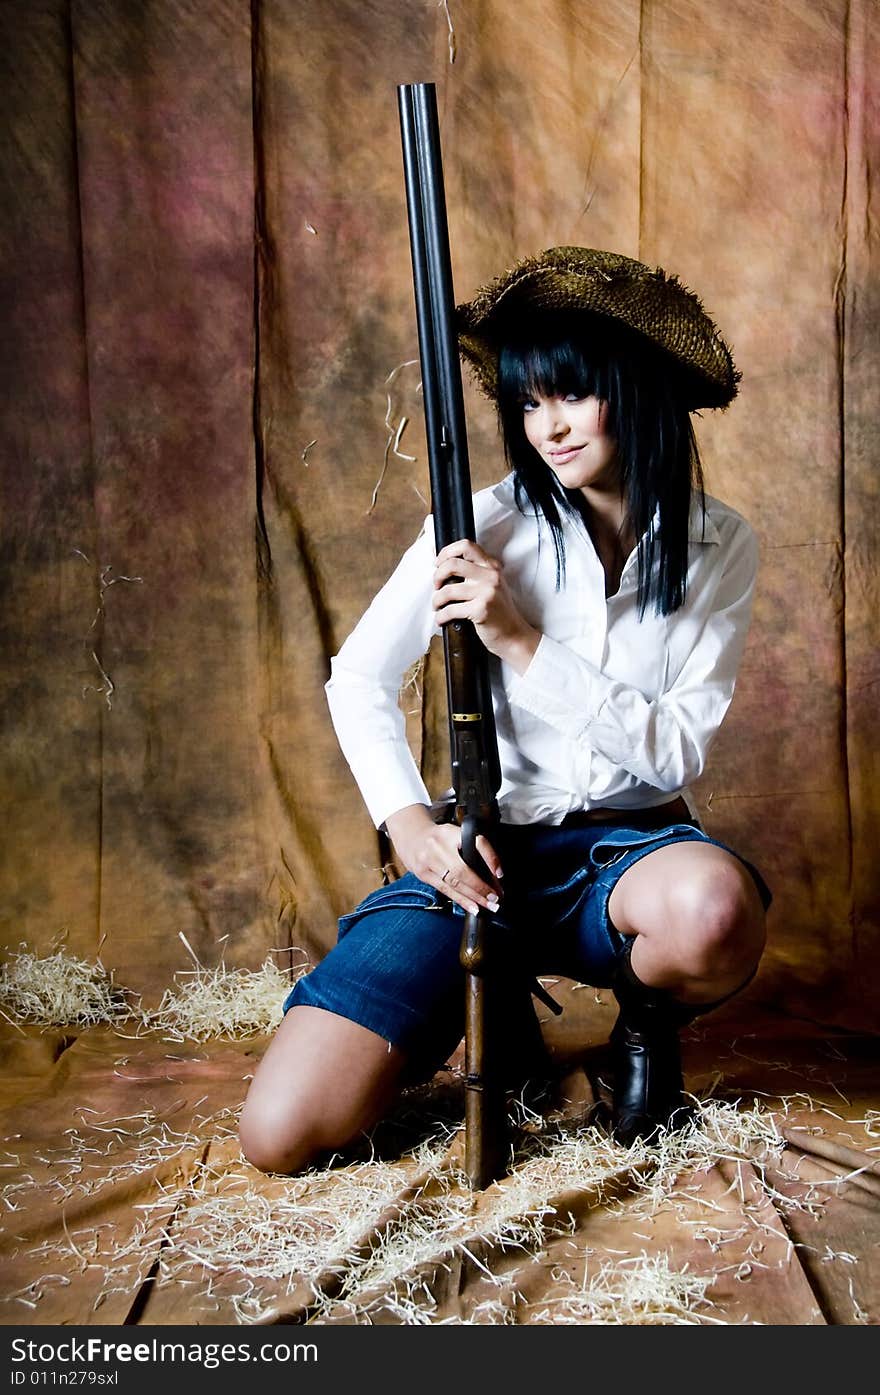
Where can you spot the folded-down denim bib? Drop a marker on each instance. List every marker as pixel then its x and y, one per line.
pixel 617 842
pixel 406 894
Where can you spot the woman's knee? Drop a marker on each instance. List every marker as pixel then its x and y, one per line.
pixel 323 1081
pixel 718 916
pixel 276 1143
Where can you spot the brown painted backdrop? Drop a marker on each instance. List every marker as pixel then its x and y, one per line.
pixel 206 287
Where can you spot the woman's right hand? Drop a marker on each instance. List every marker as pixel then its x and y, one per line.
pixel 432 851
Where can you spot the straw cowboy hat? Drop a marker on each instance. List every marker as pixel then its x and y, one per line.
pixel 657 306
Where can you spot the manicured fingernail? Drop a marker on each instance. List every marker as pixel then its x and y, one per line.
pixel 493 901
pixel 499 874
pixel 473 908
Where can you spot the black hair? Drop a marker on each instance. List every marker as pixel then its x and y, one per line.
pixel 555 354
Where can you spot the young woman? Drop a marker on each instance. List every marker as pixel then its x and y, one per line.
pixel 614 597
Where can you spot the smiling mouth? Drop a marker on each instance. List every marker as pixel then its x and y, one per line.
pixel 559 457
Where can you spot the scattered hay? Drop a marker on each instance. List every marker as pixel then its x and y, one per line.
pixel 395 431
pixel 61 990
pixel 870 1122
pixel 311 1235
pixel 124 1262
pixel 444 5
pixel 640 1291
pixel 31 1294
pixel 223 1002
pixel 109 1152
pixel 411 687
pixel 218 1223
pixel 495 1312
pixel 371 1239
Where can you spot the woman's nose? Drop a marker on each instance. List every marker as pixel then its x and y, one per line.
pixel 556 425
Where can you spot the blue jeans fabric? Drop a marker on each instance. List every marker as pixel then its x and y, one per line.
pixel 395 967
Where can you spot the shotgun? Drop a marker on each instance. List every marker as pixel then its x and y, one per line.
pixel 476 770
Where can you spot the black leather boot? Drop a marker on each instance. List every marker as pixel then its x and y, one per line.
pixel 645 1059
pixel 648 1091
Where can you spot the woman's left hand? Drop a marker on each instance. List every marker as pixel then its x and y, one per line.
pixel 479 593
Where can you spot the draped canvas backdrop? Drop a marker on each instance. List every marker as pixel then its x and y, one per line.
pixel 206 288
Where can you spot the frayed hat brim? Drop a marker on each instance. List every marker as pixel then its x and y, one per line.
pixel 647 301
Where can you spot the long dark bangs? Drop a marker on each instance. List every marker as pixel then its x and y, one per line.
pixel 550 368
pixel 659 461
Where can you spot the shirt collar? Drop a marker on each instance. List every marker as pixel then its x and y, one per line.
pixel 696 520
pixel 701 529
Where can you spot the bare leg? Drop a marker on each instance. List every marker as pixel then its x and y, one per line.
pixel 698 919
pixel 322 1081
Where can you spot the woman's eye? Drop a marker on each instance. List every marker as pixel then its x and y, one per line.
pixel 529 404
pixel 574 397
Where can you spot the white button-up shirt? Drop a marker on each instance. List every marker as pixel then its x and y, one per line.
pixel 612 712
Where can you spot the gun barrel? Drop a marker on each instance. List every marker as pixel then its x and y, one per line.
pixel 476 772
pixel 435 306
